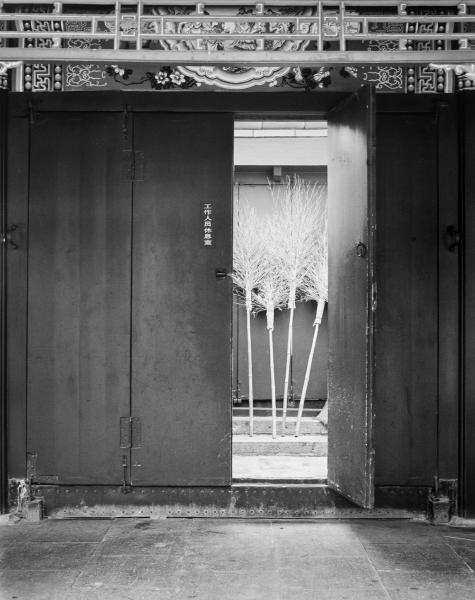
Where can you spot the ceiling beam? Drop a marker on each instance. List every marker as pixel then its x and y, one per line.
pixel 233 57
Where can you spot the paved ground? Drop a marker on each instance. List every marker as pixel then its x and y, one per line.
pixel 270 468
pixel 231 559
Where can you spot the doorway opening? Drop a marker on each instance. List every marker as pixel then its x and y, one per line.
pixel 135 390
pixel 279 163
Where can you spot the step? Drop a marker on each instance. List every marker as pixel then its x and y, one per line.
pixel 263 425
pixel 243 411
pixel 279 469
pixel 309 403
pixel 266 445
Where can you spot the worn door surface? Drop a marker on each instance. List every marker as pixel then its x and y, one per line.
pixel 181 311
pixel 78 341
pixel 351 301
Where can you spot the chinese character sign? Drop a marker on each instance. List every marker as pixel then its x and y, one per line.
pixel 207 225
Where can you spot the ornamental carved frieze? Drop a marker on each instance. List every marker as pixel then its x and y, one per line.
pixel 233 77
pixel 158 28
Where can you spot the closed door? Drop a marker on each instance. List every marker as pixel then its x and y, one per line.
pixel 129 306
pixel 79 261
pixel 181 305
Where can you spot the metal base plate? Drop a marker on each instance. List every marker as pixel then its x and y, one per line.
pixel 261 501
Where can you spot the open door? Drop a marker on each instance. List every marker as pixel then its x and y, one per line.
pixel 182 299
pixel 351 305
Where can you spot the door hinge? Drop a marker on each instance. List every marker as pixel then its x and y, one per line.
pixel 130 432
pixel 125 488
pixel 133 165
pixel 443 500
pixel 32 474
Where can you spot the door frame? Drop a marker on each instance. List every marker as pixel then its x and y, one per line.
pixel 240 104
pixel 3 304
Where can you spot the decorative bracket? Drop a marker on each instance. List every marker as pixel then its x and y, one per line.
pixel 464 71
pixel 4 66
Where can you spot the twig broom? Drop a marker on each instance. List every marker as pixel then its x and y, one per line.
pixel 248 273
pixel 296 219
pixel 315 287
pixel 270 296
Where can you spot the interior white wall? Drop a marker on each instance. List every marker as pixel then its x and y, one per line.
pixel 281 151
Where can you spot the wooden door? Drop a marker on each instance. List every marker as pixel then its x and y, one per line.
pixel 351 303
pixel 78 342
pixel 181 311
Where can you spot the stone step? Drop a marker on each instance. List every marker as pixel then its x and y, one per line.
pixel 309 403
pixel 266 411
pixel 263 425
pixel 266 445
pixel 279 469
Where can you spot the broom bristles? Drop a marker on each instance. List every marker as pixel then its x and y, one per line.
pixel 296 223
pixel 271 292
pixel 248 266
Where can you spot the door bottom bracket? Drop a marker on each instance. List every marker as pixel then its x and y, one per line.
pixel 299 501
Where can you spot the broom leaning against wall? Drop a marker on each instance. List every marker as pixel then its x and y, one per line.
pixel 270 295
pixel 248 273
pixel 315 287
pixel 297 217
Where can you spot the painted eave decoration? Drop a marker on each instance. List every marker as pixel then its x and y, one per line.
pixel 105 44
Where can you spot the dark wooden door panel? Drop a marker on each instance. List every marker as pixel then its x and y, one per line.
pixel 351 251
pixel 17 285
pixel 468 406
pixel 78 297
pixel 406 386
pixel 181 323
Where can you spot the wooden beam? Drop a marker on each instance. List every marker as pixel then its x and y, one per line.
pixel 244 59
pixel 377 4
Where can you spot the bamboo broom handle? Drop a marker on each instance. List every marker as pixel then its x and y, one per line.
pixel 249 371
pixel 272 376
pixel 318 320
pixel 287 366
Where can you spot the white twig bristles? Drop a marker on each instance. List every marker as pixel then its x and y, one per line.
pixel 248 272
pixel 315 287
pixel 297 223
pixel 270 295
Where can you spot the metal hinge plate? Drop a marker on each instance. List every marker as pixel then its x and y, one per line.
pixel 130 432
pixel 32 474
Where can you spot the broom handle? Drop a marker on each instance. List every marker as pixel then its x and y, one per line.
pixel 287 366
pixel 318 320
pixel 249 371
pixel 272 377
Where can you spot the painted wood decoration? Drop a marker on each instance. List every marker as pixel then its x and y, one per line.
pixel 238 31
pixel 49 77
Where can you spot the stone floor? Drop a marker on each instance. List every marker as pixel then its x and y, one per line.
pixel 274 468
pixel 235 559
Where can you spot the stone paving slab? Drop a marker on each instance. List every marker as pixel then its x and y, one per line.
pixel 263 425
pixel 276 468
pixel 265 445
pixel 207 559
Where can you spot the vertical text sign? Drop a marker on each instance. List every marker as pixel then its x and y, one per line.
pixel 207 224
